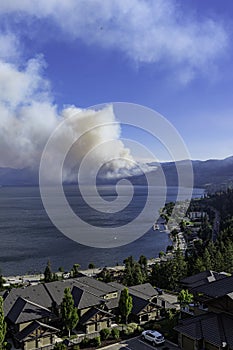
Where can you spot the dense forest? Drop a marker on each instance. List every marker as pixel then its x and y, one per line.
pixel 207 253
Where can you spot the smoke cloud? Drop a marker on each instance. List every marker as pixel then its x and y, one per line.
pixel 29 116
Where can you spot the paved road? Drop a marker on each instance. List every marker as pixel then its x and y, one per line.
pixel 138 344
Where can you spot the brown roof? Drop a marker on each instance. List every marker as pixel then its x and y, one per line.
pixel 204 277
pixel 213 328
pixel 217 288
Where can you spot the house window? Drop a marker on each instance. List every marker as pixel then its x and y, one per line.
pixel 144 318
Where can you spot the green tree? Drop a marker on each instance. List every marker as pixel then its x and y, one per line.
pixel 105 333
pixel 228 256
pixel 207 259
pixel 219 262
pixel 176 270
pixel 2 325
pixel 105 275
pixel 68 311
pixel 115 333
pixel 48 275
pixel 75 270
pixel 60 346
pixel 96 341
pixel 91 266
pixel 143 265
pixel 184 297
pixel 199 265
pixel 143 262
pixel 135 272
pixel 2 281
pixel 125 304
pixel 161 254
pixel 138 275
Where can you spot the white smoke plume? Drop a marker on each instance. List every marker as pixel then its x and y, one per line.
pixel 28 116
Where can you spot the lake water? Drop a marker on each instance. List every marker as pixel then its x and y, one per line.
pixel 28 238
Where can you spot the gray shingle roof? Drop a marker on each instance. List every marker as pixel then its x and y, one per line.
pixel 141 294
pixel 113 303
pixel 202 278
pixel 214 328
pixel 92 287
pixel 56 289
pixel 117 285
pixel 145 288
pixel 138 304
pixel 24 311
pixel 144 291
pixel 98 285
pixel 217 288
pixel 36 294
pixel 84 299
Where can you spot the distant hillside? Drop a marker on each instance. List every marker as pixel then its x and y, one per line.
pixel 212 174
pixel 18 177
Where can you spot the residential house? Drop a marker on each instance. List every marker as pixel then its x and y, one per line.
pixel 90 296
pixel 147 303
pixel 197 215
pixel 33 313
pixel 212 326
pixel 36 335
pixel 209 331
pixel 201 278
pixel 28 324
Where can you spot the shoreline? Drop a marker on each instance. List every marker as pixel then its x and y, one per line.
pixel 30 279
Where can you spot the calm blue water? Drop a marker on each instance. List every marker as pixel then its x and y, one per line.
pixel 28 238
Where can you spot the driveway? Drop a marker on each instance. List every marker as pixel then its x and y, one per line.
pixel 139 344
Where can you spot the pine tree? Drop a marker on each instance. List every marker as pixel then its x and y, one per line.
pixel 48 275
pixel 75 270
pixel 135 272
pixel 199 265
pixel 2 325
pixel 207 260
pixel 125 304
pixel 219 262
pixel 138 277
pixel 143 264
pixel 68 311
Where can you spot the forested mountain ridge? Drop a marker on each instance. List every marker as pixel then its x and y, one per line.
pixel 210 174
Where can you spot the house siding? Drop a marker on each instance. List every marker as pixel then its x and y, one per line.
pixel 83 311
pixel 30 345
pixel 21 326
pixel 187 343
pixel 209 346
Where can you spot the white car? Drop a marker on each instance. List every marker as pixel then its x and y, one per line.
pixel 154 337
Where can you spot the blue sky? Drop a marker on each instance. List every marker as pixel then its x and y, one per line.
pixel 173 56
